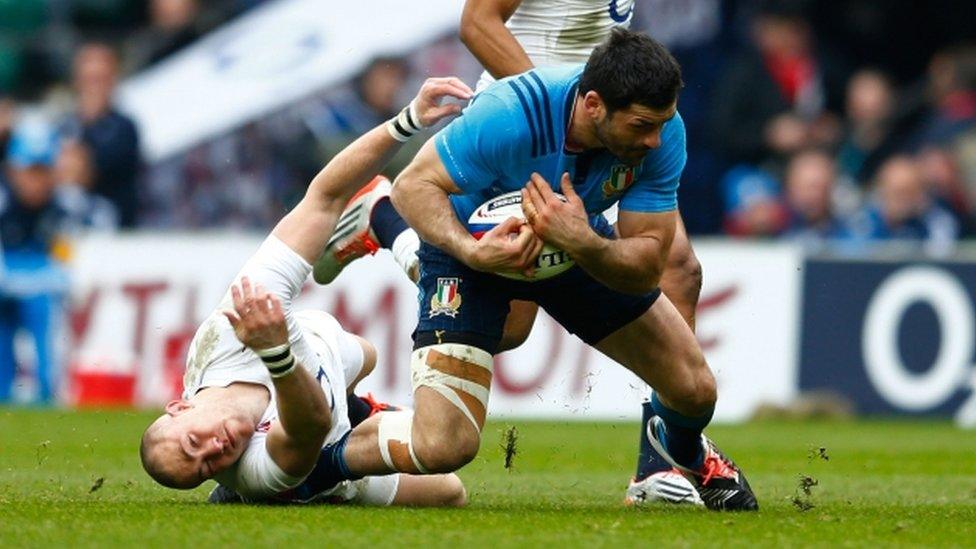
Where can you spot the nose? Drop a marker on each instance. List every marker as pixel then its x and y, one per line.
pixel 216 446
pixel 653 140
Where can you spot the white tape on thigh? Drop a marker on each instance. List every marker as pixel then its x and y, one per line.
pixel 476 381
pixel 394 433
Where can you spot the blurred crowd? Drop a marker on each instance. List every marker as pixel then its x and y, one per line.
pixel 847 121
pixel 835 124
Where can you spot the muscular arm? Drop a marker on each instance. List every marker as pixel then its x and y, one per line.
pixel 484 32
pixel 634 262
pixel 421 193
pixel 303 412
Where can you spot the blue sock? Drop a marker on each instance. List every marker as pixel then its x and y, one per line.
pixel 331 469
pixel 681 434
pixel 358 410
pixel 386 222
pixel 647 463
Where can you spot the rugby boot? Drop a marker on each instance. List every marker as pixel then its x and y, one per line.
pixel 222 494
pixel 657 480
pixel 719 481
pixel 353 237
pixel 376 406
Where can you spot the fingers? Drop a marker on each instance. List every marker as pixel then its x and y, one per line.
pixel 567 186
pixel 277 311
pixel 510 225
pixel 530 255
pixel 451 85
pixel 539 183
pixel 231 317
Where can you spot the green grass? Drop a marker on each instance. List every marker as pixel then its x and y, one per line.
pixel 885 484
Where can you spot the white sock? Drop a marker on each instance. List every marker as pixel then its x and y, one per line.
pixel 405 247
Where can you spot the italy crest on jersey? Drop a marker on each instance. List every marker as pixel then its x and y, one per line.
pixel 446 300
pixel 621 177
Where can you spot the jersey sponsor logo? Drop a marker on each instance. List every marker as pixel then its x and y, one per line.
pixel 447 299
pixel 621 178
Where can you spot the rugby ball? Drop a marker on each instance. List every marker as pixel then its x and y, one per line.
pixel 551 262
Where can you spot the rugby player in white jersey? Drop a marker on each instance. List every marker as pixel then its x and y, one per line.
pixel 509 37
pixel 264 409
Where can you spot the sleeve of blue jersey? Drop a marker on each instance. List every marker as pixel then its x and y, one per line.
pixel 656 188
pixel 474 146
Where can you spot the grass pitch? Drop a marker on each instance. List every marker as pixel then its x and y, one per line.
pixel 73 479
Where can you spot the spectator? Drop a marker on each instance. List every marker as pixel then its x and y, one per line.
pixel 173 26
pixel 944 180
pixel 810 180
pixel 772 100
pixel 753 203
pixel 73 179
pixel 7 109
pixel 31 226
pixel 952 98
pixel 868 137
pixel 901 209
pixel 372 98
pixel 110 136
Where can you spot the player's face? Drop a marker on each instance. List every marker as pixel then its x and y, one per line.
pixel 200 441
pixel 631 132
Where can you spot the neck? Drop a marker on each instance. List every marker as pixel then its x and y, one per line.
pixel 92 110
pixel 581 134
pixel 246 399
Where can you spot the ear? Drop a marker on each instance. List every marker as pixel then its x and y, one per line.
pixel 177 407
pixel 594 105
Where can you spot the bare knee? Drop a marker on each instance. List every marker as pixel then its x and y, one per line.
pixel 453 493
pixel 446 451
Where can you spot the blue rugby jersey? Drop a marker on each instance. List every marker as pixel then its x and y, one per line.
pixel 518 126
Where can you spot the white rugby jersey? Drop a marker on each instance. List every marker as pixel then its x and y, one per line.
pixel 216 358
pixel 555 32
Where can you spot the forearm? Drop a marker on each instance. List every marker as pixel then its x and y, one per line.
pixel 630 265
pixel 490 41
pixel 302 407
pixel 427 209
pixel 353 166
pixel 307 228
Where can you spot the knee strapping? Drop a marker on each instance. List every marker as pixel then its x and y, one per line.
pixel 396 444
pixel 459 373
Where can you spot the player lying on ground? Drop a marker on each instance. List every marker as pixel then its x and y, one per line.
pixel 265 400
pixel 510 37
pixel 604 133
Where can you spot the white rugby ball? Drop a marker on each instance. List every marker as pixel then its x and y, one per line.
pixel 551 262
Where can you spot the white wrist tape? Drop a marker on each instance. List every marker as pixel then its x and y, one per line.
pixel 405 125
pixel 278 360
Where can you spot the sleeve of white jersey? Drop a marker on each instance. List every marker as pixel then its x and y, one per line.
pixel 257 476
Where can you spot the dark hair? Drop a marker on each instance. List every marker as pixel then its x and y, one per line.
pixel 630 67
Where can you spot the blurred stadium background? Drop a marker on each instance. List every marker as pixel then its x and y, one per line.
pixel 830 193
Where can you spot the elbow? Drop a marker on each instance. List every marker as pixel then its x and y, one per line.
pixel 470 29
pixel 401 189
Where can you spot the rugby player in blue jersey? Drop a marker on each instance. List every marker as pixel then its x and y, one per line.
pixel 605 133
pixel 509 37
